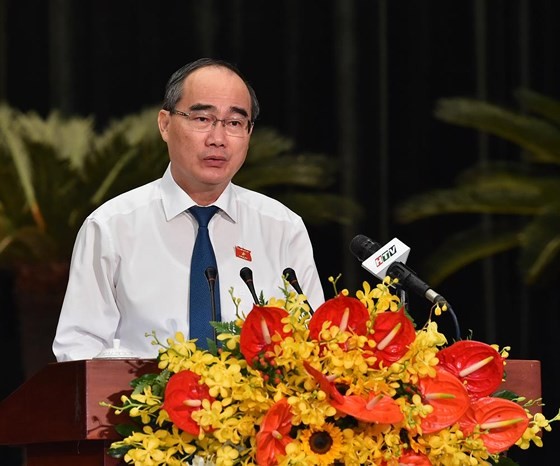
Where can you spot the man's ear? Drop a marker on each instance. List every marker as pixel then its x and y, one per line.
pixel 164 117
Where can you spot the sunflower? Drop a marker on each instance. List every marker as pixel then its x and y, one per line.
pixel 323 445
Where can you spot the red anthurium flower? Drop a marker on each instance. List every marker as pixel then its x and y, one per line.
pixel 503 422
pixel 257 331
pixel 476 364
pixel 449 398
pixel 411 458
pixel 393 334
pixel 326 385
pixel 373 408
pixel 183 396
pixel 274 433
pixel 348 313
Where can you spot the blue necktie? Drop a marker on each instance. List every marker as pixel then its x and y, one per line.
pixel 200 308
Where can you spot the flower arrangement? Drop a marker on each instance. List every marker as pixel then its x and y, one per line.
pixel 352 383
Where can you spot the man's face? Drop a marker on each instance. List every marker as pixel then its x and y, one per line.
pixel 203 163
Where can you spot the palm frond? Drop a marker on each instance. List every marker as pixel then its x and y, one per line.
pixel 267 143
pixel 525 195
pixel 15 149
pixel 303 170
pixel 540 254
pixel 499 188
pixel 70 137
pixel 540 138
pixel 467 247
pixel 322 208
pixel 539 104
pixel 467 200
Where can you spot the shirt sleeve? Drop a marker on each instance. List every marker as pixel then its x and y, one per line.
pixel 89 316
pixel 304 265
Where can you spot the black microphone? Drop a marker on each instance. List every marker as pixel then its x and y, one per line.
pixel 291 278
pixel 363 247
pixel 387 263
pixel 246 275
pixel 211 274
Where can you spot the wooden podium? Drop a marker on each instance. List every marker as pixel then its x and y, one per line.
pixel 56 414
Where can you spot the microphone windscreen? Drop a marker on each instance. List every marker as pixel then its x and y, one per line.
pixel 291 277
pixel 246 274
pixel 363 247
pixel 211 274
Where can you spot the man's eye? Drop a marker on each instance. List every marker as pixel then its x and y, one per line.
pixel 201 118
pixel 235 123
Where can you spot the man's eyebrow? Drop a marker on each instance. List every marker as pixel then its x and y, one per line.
pixel 233 109
pixel 239 110
pixel 197 107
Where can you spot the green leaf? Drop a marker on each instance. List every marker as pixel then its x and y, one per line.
pixel 539 104
pixel 540 138
pixel 267 143
pixel 304 170
pixel 157 382
pixel 16 150
pixel 227 327
pixel 465 248
pixel 541 254
pixel 119 452
pixel 506 394
pixel 322 208
pixel 125 430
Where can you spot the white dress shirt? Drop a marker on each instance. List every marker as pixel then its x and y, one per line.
pixel 130 266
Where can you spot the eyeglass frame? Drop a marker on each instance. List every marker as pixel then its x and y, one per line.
pixel 250 123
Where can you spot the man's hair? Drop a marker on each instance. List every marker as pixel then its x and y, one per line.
pixel 174 87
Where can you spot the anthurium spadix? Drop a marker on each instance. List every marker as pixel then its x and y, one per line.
pixel 369 407
pixel 448 397
pixel 393 333
pixel 259 328
pixel 183 396
pixel 478 365
pixel 500 422
pixel 274 433
pixel 347 313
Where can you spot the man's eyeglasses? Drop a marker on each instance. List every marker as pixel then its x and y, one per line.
pixel 203 122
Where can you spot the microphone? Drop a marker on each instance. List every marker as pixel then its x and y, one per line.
pixel 366 251
pixel 211 274
pixel 291 278
pixel 390 261
pixel 246 275
pixel 363 247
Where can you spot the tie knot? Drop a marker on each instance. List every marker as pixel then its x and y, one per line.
pixel 203 214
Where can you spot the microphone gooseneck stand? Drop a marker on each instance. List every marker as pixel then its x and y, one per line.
pixel 291 278
pixel 211 274
pixel 246 275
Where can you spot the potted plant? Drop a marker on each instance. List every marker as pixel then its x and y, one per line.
pixel 522 193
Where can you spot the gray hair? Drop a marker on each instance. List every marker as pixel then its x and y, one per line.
pixel 174 87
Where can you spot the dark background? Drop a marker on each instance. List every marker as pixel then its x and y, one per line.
pixel 357 80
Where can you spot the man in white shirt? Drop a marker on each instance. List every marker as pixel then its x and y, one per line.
pixel 130 266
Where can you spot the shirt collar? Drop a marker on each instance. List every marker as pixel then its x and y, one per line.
pixel 176 201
